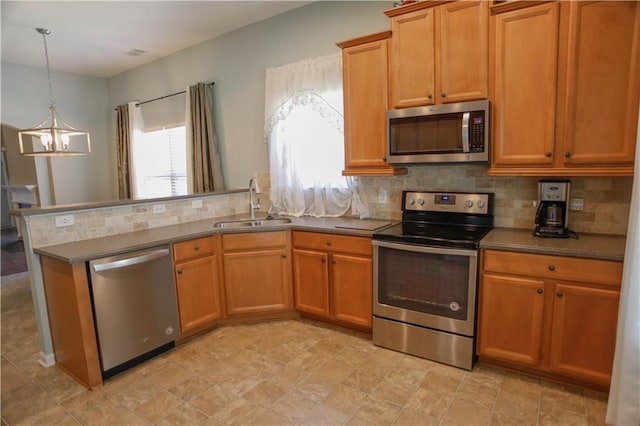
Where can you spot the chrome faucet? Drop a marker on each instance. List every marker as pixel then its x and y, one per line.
pixel 254 190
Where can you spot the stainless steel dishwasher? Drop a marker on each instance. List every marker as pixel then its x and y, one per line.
pixel 135 307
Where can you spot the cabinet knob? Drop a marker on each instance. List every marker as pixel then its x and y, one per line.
pixel 552 267
pixel 560 294
pixel 567 154
pixel 540 291
pixel 443 94
pixel 333 262
pixel 430 96
pixel 384 159
pixel 179 271
pixel 328 243
pixel 549 154
pixel 196 248
pixel 284 256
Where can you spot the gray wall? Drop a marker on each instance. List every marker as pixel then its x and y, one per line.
pixel 237 62
pixel 82 102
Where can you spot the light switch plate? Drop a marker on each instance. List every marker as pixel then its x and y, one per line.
pixel 576 204
pixel 196 204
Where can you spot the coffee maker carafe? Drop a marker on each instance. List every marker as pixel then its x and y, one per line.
pixel 553 209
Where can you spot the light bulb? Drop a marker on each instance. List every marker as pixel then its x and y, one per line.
pixel 65 142
pixel 46 141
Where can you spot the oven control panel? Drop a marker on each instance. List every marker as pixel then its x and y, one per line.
pixel 454 202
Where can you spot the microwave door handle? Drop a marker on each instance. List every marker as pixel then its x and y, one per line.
pixel 465 131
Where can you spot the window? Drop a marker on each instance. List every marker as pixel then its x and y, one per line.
pixel 161 163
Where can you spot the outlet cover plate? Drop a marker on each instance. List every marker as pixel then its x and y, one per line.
pixel 159 208
pixel 64 220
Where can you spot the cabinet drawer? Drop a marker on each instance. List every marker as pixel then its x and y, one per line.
pixel 332 242
pixel 193 248
pixel 554 267
pixel 254 240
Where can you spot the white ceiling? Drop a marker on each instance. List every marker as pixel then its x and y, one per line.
pixel 95 38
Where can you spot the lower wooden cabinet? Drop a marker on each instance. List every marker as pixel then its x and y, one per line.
pixel 257 272
pixel 333 277
pixel 197 283
pixel 554 315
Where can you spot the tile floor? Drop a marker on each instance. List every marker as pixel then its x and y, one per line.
pixel 276 373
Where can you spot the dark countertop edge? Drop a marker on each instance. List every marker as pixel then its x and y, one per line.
pixel 35 211
pixel 532 245
pixel 174 235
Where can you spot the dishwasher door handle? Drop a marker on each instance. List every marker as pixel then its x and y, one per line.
pixel 147 257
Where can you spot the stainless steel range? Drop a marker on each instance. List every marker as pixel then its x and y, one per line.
pixel 425 276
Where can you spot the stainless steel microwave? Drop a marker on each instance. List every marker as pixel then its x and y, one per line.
pixel 449 133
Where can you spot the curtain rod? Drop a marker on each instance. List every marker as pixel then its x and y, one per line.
pixel 167 96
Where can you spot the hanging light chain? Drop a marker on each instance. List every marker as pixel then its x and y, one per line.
pixel 45 32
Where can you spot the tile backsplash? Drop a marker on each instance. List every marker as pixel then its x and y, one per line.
pixel 606 199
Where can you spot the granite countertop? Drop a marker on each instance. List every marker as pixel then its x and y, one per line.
pixel 593 246
pixel 81 251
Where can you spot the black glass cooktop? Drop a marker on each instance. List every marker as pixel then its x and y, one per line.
pixel 434 235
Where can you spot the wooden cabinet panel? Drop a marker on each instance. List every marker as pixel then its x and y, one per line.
pixel 366 101
pixel 603 83
pixel 198 292
pixel 412 61
pixel 333 277
pixel 311 281
pixel 563 326
pixel 603 272
pixel 352 292
pixel 524 52
pixel 194 248
pixel 337 243
pixel 462 58
pixel 584 332
pixel 257 281
pixel 254 240
pixel 511 315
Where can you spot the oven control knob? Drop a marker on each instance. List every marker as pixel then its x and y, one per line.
pixel 468 203
pixel 481 204
pixel 421 201
pixel 412 201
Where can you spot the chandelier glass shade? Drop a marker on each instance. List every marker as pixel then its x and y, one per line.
pixel 53 137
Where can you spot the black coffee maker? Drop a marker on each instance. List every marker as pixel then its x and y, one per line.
pixel 553 209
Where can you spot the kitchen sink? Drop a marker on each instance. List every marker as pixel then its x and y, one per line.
pixel 248 223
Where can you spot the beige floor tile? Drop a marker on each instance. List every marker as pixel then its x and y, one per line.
pixel 559 416
pixel 54 416
pixel 410 417
pixel 169 374
pixel 376 411
pixel 292 407
pixel 525 386
pixel 478 392
pixel 513 406
pixel 238 412
pixel 430 403
pixel 314 388
pixel 398 392
pixel 440 381
pixel 212 400
pixel 464 413
pixel 268 418
pixel 557 397
pixel 335 370
pixel 363 380
pixel 322 415
pixel 345 399
pixel 184 414
pixel 265 393
pixel 24 402
pixel 191 388
pixel 11 377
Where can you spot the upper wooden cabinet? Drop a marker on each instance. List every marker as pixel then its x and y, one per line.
pixel 364 62
pixel 564 87
pixel 438 53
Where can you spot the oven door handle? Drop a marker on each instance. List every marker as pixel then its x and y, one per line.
pixel 426 249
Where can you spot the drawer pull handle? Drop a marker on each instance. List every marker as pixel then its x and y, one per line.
pixel 552 267
pixel 196 248
pixel 179 271
pixel 560 294
pixel 540 291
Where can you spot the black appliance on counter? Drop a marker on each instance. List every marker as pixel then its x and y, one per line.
pixel 552 214
pixel 426 273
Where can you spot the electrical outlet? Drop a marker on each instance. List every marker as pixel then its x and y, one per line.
pixel 64 220
pixel 159 208
pixel 196 204
pixel 383 195
pixel 576 204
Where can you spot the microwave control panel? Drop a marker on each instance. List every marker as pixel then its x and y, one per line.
pixel 476 132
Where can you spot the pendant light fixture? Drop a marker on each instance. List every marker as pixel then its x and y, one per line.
pixel 53 137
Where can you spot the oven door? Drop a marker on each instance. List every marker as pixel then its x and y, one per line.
pixel 432 287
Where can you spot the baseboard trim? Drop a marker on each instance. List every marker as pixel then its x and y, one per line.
pixel 47 360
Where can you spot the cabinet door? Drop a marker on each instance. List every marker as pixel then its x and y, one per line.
pixel 603 82
pixel 311 281
pixel 257 281
pixel 198 292
pixel 584 332
pixel 510 321
pixel 462 51
pixel 412 59
pixel 523 54
pixel 365 105
pixel 352 282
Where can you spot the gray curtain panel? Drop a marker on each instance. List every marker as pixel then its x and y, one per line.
pixel 207 173
pixel 123 143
